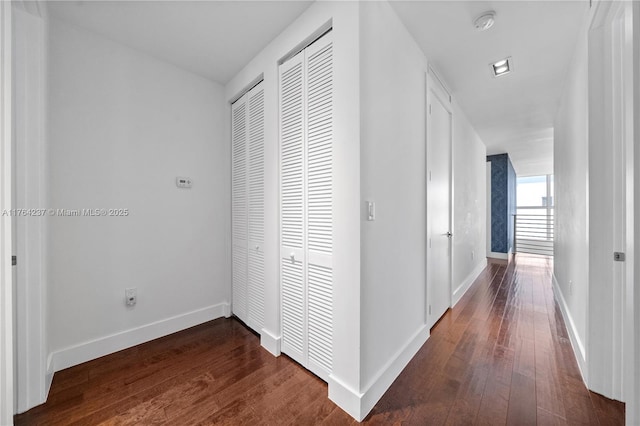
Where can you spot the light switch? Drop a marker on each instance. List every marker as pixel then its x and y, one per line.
pixel 371 210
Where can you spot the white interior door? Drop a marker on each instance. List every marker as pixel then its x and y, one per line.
pixel 247 205
pixel 255 205
pixel 439 130
pixel 319 194
pixel 239 209
pixel 306 206
pixel 292 208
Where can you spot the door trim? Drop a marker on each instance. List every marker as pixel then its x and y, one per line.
pixel 632 334
pixel 34 369
pixel 6 290
pixel 612 28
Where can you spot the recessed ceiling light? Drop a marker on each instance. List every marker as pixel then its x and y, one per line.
pixel 485 21
pixel 502 67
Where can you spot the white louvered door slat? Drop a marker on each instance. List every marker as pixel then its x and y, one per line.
pixel 319 72
pixel 239 208
pixel 306 202
pixel 255 100
pixel 292 271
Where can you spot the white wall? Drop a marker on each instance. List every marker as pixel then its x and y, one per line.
pixel 393 164
pixel 571 245
pixel 469 204
pixel 393 174
pixel 344 382
pixel 123 125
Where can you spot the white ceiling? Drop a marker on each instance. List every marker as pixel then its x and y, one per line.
pixel 512 113
pixel 212 38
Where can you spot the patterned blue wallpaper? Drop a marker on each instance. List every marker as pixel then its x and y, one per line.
pixel 503 202
pixel 511 203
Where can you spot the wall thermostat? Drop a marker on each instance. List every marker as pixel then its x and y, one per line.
pixel 183 182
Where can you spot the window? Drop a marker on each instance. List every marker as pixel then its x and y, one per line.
pixel 534 222
pixel 534 195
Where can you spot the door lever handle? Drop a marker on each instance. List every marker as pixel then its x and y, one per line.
pixel 448 234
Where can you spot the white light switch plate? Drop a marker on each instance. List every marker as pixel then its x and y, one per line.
pixel 371 210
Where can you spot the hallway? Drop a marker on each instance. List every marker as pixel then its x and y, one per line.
pixel 500 356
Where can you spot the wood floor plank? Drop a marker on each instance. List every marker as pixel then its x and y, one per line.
pixel 546 418
pixel 501 356
pixel 608 412
pixel 495 399
pixel 522 402
pixel 436 408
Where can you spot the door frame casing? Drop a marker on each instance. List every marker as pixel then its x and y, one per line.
pixel 435 83
pixel 6 287
pixel 612 368
pixel 617 37
pixel 631 334
pixel 33 366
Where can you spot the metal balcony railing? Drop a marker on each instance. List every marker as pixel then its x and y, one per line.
pixel 533 234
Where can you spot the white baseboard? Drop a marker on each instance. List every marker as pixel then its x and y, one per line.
pixel 576 343
pixel 49 376
pixel 497 255
pixel 466 283
pixel 357 404
pixel 346 397
pixel 40 395
pixel 392 369
pixel 93 349
pixel 270 342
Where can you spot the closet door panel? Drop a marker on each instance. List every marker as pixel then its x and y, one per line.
pixel 239 210
pixel 293 309
pixel 256 289
pixel 306 155
pixel 292 220
pixel 292 154
pixel 320 313
pixel 255 120
pixel 319 155
pixel 320 204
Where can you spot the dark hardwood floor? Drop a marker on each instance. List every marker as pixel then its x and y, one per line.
pixel 501 356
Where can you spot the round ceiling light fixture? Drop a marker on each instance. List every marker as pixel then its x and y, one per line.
pixel 485 21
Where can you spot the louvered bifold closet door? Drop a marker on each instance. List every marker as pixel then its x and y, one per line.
pixel 292 219
pixel 319 74
pixel 239 208
pixel 255 101
pixel 306 193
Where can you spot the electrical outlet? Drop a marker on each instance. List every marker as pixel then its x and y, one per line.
pixel 130 296
pixel 473 254
pixel 570 287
